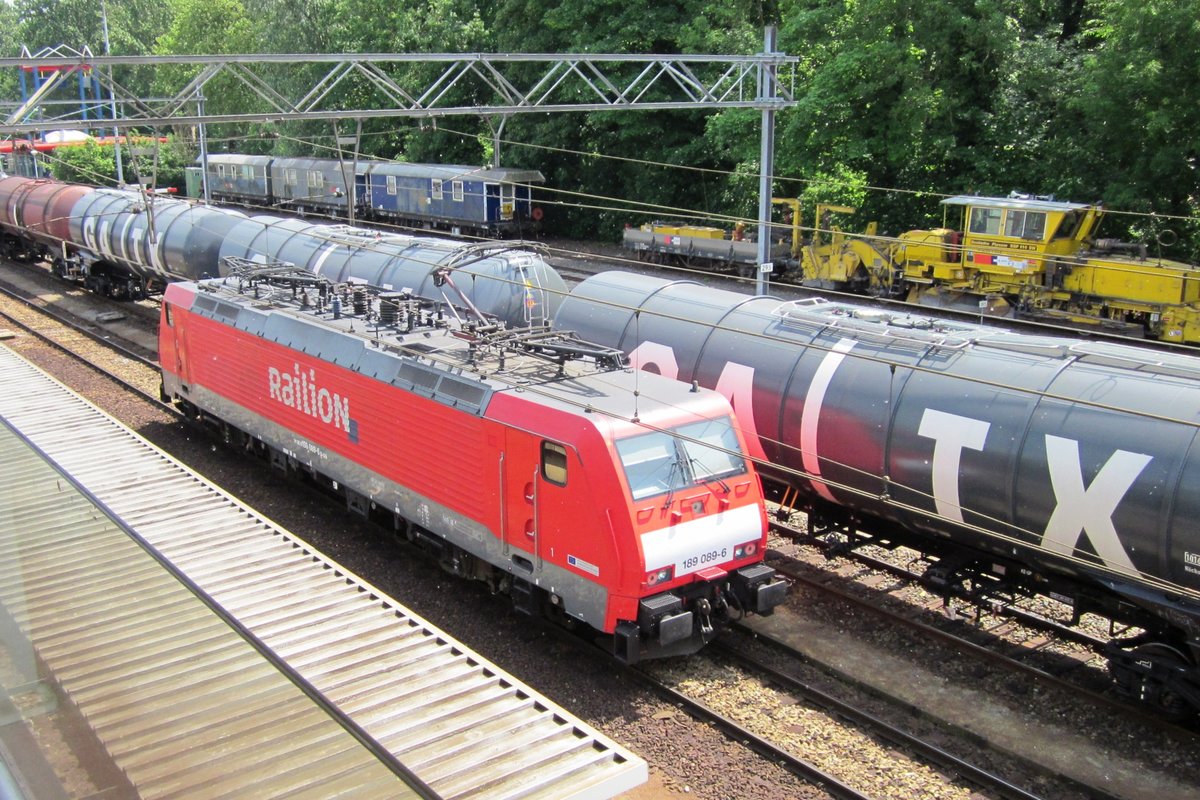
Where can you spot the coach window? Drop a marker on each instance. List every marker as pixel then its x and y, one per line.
pixel 391 184
pixel 437 188
pixel 289 177
pixel 554 463
pixel 985 220
pixel 458 191
pixel 315 179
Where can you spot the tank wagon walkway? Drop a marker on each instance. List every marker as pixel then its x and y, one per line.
pixel 185 704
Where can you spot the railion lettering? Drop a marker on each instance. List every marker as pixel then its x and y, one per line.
pixel 300 390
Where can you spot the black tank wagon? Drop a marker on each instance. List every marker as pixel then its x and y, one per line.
pixel 1034 464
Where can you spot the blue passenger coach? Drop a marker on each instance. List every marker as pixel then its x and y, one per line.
pixel 488 201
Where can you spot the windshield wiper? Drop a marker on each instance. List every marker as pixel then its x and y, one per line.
pixel 675 467
pixel 707 475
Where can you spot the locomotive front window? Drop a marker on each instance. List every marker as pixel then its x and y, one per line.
pixel 712 450
pixel 985 220
pixel 1026 225
pixel 691 454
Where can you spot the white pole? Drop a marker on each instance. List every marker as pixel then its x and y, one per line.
pixel 113 97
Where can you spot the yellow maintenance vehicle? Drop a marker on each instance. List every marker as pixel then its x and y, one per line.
pixel 1021 256
pixel 1028 257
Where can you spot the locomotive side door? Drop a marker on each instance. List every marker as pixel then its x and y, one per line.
pixel 521 472
pixel 172 334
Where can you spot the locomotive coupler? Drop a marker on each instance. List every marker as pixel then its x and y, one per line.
pixel 705 610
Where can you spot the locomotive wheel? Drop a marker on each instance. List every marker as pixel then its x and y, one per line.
pixel 1146 689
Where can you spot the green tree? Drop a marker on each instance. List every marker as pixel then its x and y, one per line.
pixel 87 162
pixel 1137 106
pixel 424 26
pixel 211 27
pixel 10 46
pixel 599 192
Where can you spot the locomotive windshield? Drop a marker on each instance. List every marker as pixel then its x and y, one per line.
pixel 687 455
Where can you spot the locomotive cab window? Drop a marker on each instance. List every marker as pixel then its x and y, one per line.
pixel 1025 225
pixel 554 463
pixel 985 220
pixel 695 454
pixel 1068 226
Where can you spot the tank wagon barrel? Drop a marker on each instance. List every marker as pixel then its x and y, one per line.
pixel 1055 465
pixel 128 244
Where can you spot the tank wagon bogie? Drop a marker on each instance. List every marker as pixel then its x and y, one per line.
pixel 638 516
pixel 1024 464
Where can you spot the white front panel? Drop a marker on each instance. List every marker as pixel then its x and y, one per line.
pixel 701 543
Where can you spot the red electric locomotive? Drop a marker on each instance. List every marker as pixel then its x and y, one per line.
pixel 528 459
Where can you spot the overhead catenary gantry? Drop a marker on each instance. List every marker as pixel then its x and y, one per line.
pixel 424 85
pixel 498 84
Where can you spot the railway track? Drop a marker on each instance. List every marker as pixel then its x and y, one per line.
pixel 965 633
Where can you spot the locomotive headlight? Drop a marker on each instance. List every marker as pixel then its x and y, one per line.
pixel 659 576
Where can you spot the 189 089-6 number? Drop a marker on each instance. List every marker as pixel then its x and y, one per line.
pixel 706 558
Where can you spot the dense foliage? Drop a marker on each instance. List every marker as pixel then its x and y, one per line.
pixel 899 101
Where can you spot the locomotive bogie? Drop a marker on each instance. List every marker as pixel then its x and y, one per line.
pixel 523 486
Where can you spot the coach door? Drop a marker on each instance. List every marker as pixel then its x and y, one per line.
pixel 507 201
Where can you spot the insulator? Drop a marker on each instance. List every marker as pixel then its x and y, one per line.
pixel 389 311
